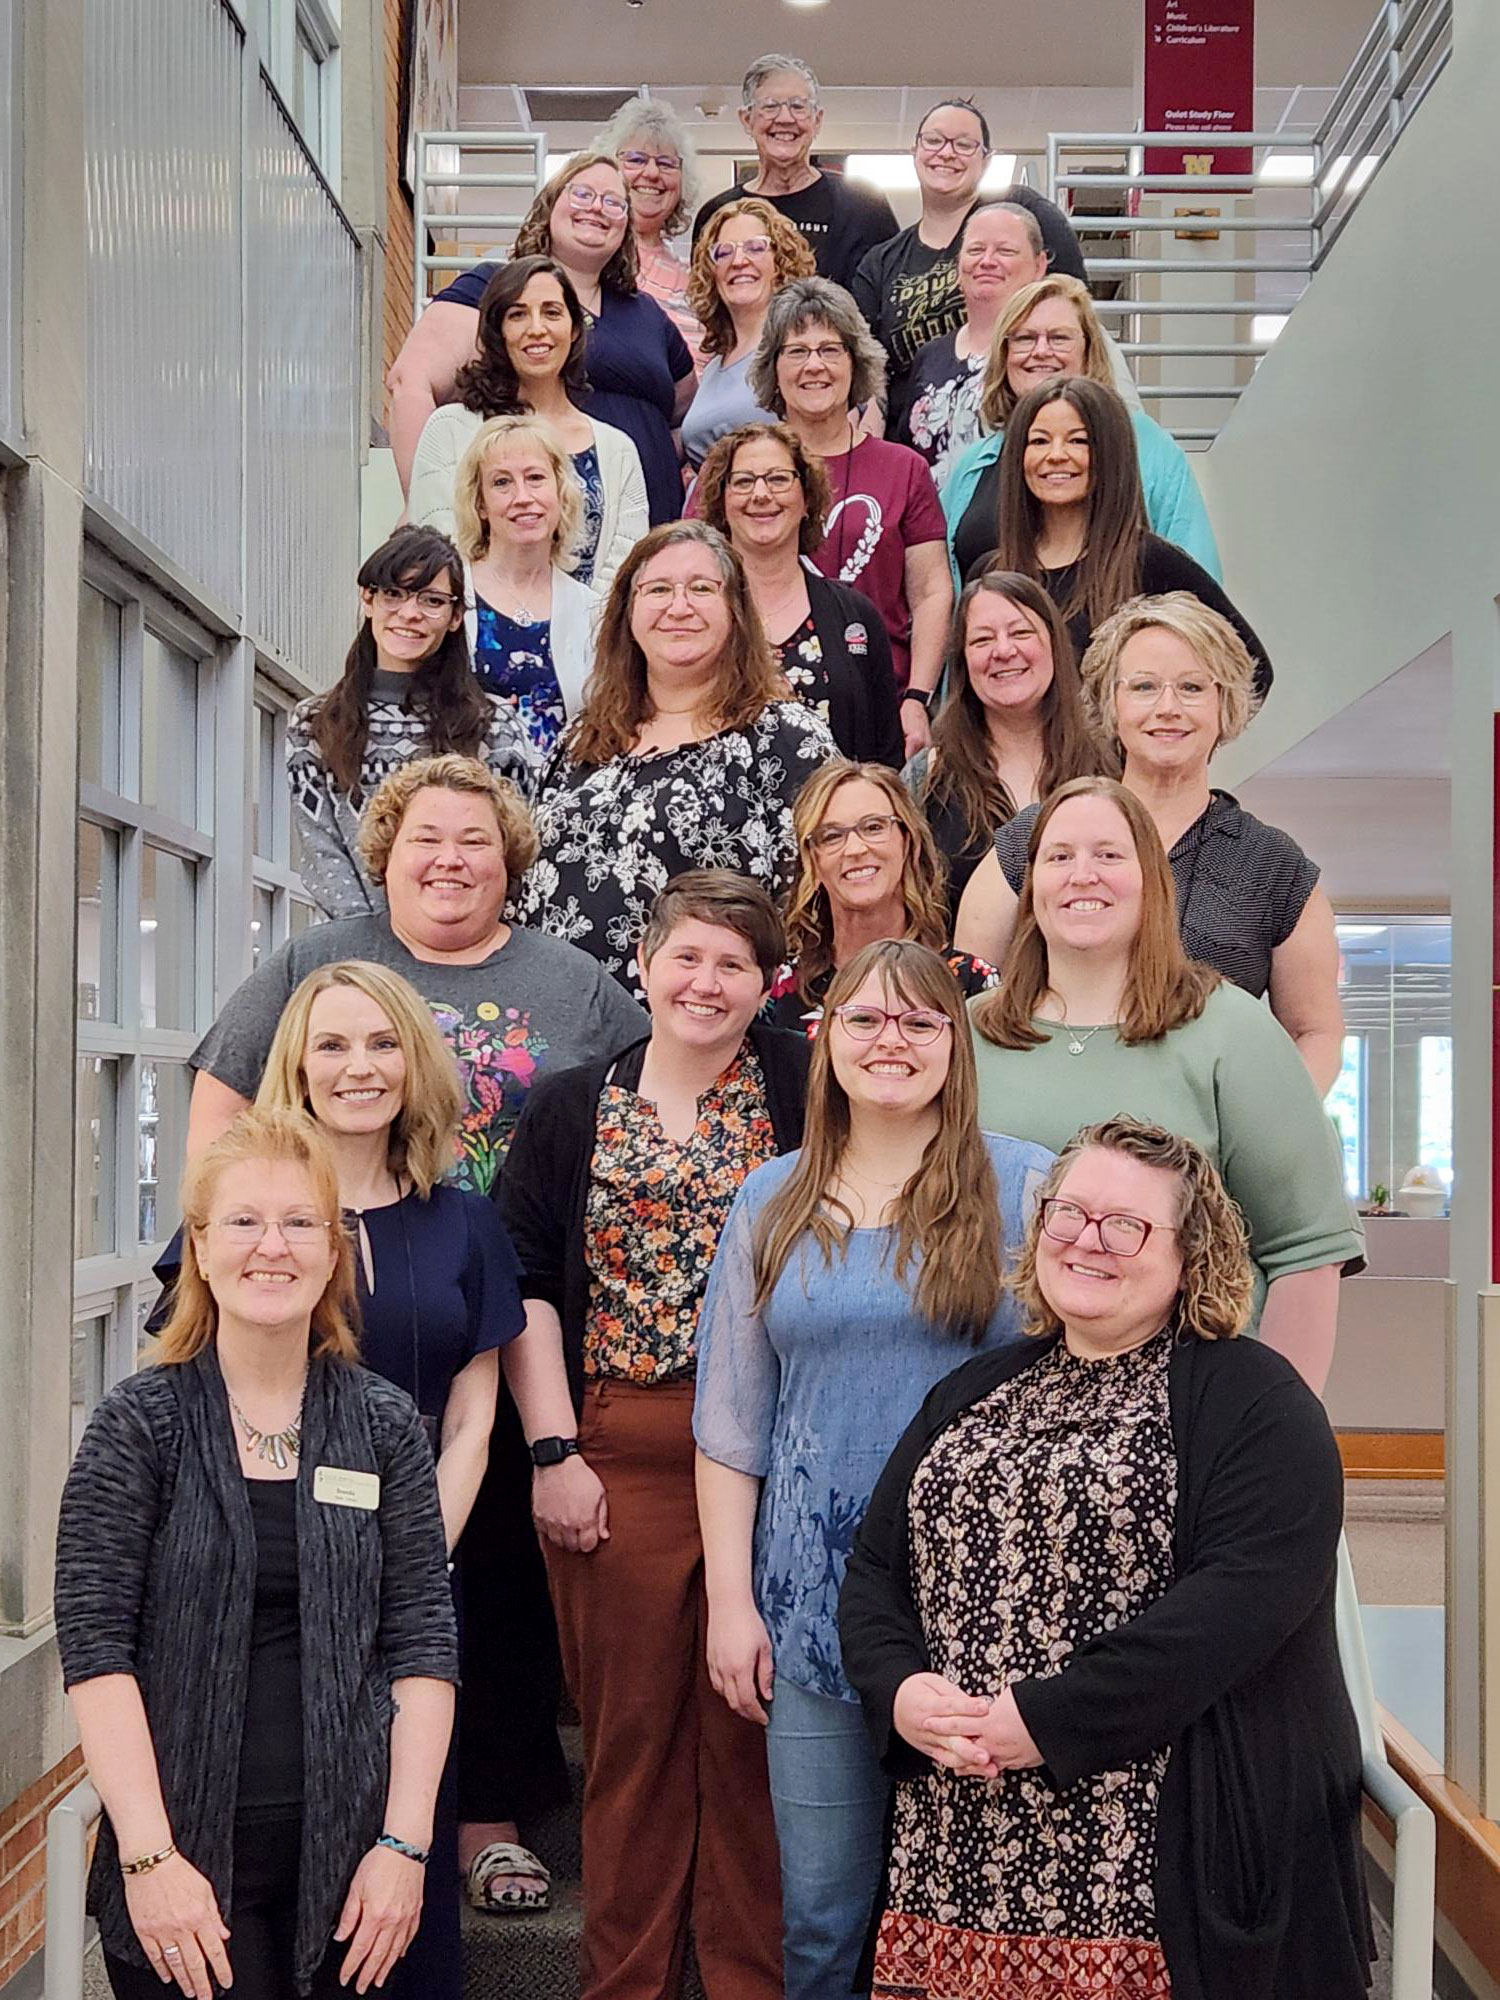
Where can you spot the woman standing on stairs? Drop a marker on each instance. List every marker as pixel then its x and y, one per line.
pixel 616 1187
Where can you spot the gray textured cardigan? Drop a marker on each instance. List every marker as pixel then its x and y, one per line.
pixel 156 1578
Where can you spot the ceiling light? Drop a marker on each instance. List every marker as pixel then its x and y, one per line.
pixel 896 173
pixel 1264 327
pixel 806 3
pixel 1286 167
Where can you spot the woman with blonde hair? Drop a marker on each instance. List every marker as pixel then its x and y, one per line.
pixel 1048 329
pixel 253 1609
pixel 743 256
pixel 1091 1613
pixel 1101 1010
pixel 687 753
pixel 849 1277
pixel 1168 680
pixel 517 508
pixel 867 868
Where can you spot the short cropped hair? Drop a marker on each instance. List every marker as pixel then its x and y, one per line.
pixel 719 896
pixel 765 66
pixel 391 801
pixel 1218 648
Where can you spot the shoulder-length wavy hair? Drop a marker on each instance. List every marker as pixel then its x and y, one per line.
pixel 1218 1281
pixel 948 1213
pixel 654 120
pixel 962 773
pixel 443 691
pixel 534 237
pixel 489 384
pixel 1109 570
pixel 617 698
pixel 1164 988
pixel 790 256
pixel 276 1138
pixel 423 1135
pixel 817 495
pixel 924 873
pixel 1217 647
pixel 809 302
pixel 996 397
pixel 472 529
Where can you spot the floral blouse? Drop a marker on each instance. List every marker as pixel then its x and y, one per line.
pixel 613 835
pixel 653 1219
pixel 786 1008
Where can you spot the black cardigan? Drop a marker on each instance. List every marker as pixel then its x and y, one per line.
pixel 863 706
pixel 1260 1891
pixel 156 1579
pixel 543 1188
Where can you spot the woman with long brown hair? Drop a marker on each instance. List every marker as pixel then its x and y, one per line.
pixel 851 1277
pixel 867 868
pixel 1012 728
pixel 1071 515
pixel 407 691
pixel 687 752
pixel 1101 1010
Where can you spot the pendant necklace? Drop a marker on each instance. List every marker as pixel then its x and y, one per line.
pixel 277 1448
pixel 1077 1042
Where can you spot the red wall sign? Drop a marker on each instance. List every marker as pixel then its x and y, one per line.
pixel 1200 76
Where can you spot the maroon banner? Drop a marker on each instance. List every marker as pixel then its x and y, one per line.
pixel 1200 77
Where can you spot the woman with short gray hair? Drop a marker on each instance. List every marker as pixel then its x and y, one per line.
pixel 817 364
pixel 650 145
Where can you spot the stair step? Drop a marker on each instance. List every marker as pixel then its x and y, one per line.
pixel 536 1957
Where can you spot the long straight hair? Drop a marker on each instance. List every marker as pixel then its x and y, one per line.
pixel 1109 570
pixel 948 1214
pixel 1164 988
pixel 455 713
pixel 962 773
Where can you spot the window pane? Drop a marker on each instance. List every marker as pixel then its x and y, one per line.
pixel 262 939
pixel 267 777
pixel 169 730
pixel 309 97
pixel 168 939
pixel 301 916
pixel 1435 1110
pixel 1395 985
pixel 98 936
pixel 90 1337
pixel 94 1116
pixel 98 689
pixel 161 1146
pixel 1345 1105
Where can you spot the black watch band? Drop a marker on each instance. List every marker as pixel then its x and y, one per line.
pixel 922 696
pixel 552 1451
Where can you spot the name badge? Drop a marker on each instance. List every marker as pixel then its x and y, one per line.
pixel 335 1487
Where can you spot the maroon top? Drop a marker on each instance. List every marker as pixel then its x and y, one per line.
pixel 884 503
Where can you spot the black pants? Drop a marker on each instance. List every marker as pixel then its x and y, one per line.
pixel 262 1921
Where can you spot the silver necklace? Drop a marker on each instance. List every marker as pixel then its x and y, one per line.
pixel 277 1448
pixel 1077 1042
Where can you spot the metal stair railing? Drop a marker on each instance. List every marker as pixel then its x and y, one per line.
pixel 448 166
pixel 1329 168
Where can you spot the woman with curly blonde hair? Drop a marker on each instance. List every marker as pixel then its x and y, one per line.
pixel 743 256
pixel 1090 1612
pixel 867 868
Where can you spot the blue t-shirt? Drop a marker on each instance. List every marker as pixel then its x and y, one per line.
pixel 811 1393
pixel 515 661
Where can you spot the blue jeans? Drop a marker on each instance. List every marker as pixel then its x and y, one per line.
pixel 829 1796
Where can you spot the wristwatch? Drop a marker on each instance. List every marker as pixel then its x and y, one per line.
pixel 922 696
pixel 552 1451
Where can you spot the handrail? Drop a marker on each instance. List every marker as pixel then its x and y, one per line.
pixel 439 165
pixel 68 1827
pixel 1402 54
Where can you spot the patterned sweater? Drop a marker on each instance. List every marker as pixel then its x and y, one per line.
pixel 327 817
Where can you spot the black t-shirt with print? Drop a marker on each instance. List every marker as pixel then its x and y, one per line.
pixel 841 220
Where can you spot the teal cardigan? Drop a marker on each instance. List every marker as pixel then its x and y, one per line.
pixel 1174 506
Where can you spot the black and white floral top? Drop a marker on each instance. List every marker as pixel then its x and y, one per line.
pixel 613 835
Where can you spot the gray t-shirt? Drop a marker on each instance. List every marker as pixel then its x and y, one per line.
pixel 535 1004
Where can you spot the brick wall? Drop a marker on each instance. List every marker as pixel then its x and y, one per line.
pixel 23 1860
pixel 398 222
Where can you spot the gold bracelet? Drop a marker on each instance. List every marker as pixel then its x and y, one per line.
pixel 144 1863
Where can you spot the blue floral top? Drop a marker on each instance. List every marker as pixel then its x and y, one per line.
pixel 591 479
pixel 514 661
pixel 811 1394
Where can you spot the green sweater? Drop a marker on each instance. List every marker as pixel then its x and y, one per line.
pixel 1232 1082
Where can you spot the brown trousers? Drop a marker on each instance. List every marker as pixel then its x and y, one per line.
pixel 676 1804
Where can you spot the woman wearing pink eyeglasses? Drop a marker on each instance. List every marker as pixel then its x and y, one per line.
pixel 744 254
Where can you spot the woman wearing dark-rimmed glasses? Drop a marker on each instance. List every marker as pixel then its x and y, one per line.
pixel 407 691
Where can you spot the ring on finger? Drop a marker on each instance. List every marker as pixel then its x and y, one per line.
pixel 171 1951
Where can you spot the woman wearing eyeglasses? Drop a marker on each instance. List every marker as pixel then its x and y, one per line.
pixel 850 1278
pixel 744 254
pixel 867 868
pixel 650 145
pixel 1091 1618
pixel 686 752
pixel 1168 680
pixel 1100 1010
pixel 407 691
pixel 640 372
pixel 765 491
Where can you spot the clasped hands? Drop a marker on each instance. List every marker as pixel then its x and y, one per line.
pixel 970 1735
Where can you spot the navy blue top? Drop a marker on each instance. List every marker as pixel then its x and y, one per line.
pixel 635 358
pixel 460 1294
pixel 515 661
